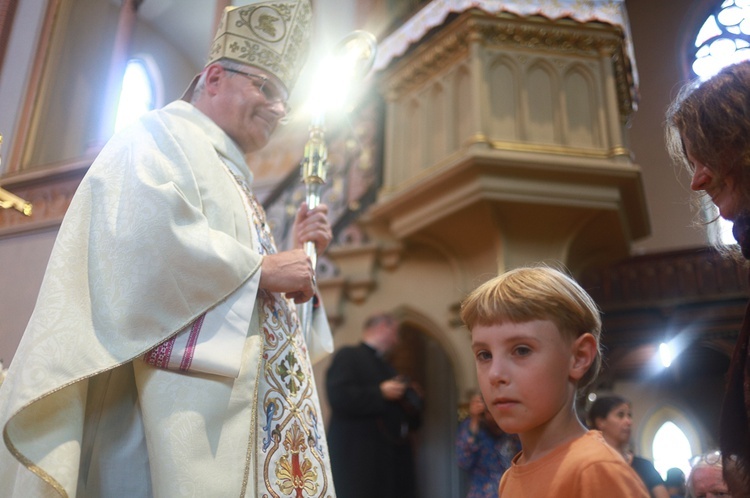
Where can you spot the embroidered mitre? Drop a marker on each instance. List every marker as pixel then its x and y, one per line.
pixel 271 35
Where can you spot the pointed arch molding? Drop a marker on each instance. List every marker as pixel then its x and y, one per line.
pixel 463 367
pixel 669 413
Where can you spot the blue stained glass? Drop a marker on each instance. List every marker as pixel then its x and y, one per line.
pixel 709 30
pixel 722 47
pixel 731 16
pixel 704 51
pixel 705 67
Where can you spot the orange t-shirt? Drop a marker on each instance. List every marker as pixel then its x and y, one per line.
pixel 586 467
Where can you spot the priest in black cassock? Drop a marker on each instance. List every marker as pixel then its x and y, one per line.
pixel 374 411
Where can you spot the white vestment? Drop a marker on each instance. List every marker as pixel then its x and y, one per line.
pixel 163 233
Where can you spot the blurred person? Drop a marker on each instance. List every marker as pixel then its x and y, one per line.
pixel 164 355
pixel 705 479
pixel 535 338
pixel 374 412
pixel 708 132
pixel 675 483
pixel 483 450
pixel 613 417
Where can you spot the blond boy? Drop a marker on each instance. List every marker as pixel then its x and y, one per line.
pixel 535 338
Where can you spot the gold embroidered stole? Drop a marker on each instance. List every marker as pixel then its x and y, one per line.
pixel 292 453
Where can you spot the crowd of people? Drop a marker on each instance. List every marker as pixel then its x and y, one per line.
pixel 119 389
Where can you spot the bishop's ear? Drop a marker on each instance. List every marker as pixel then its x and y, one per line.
pixel 583 354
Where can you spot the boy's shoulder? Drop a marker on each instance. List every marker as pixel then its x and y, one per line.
pixel 592 446
pixel 583 467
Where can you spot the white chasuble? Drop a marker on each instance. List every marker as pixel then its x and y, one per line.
pixel 158 235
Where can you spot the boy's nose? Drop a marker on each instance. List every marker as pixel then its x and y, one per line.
pixel 498 373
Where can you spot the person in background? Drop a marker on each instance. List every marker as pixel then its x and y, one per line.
pixel 535 338
pixel 484 451
pixel 613 417
pixel 374 412
pixel 164 356
pixel 705 479
pixel 708 133
pixel 675 483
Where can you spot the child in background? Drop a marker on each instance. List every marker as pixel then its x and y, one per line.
pixel 535 338
pixel 483 450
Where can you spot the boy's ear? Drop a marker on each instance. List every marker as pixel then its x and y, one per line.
pixel 584 353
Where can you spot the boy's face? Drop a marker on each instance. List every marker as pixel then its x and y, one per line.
pixel 527 373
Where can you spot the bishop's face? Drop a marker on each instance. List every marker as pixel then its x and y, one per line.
pixel 251 103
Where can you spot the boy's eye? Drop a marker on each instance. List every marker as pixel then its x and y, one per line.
pixel 483 355
pixel 521 350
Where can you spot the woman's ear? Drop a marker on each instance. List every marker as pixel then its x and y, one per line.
pixel 595 424
pixel 583 354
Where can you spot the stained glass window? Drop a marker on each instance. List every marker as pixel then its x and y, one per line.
pixel 137 96
pixel 671 449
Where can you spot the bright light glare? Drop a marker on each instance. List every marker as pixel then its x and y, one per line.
pixel 671 449
pixel 337 73
pixel 332 84
pixel 725 231
pixel 137 96
pixel 666 354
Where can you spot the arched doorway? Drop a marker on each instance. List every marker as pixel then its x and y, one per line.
pixel 423 359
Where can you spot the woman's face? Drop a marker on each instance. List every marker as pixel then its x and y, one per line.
pixel 722 189
pixel 616 426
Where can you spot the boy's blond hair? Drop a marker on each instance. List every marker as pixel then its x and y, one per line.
pixel 537 293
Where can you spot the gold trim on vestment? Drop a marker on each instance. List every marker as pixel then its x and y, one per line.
pixel 251 442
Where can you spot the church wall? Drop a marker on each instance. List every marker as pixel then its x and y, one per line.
pixel 660 33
